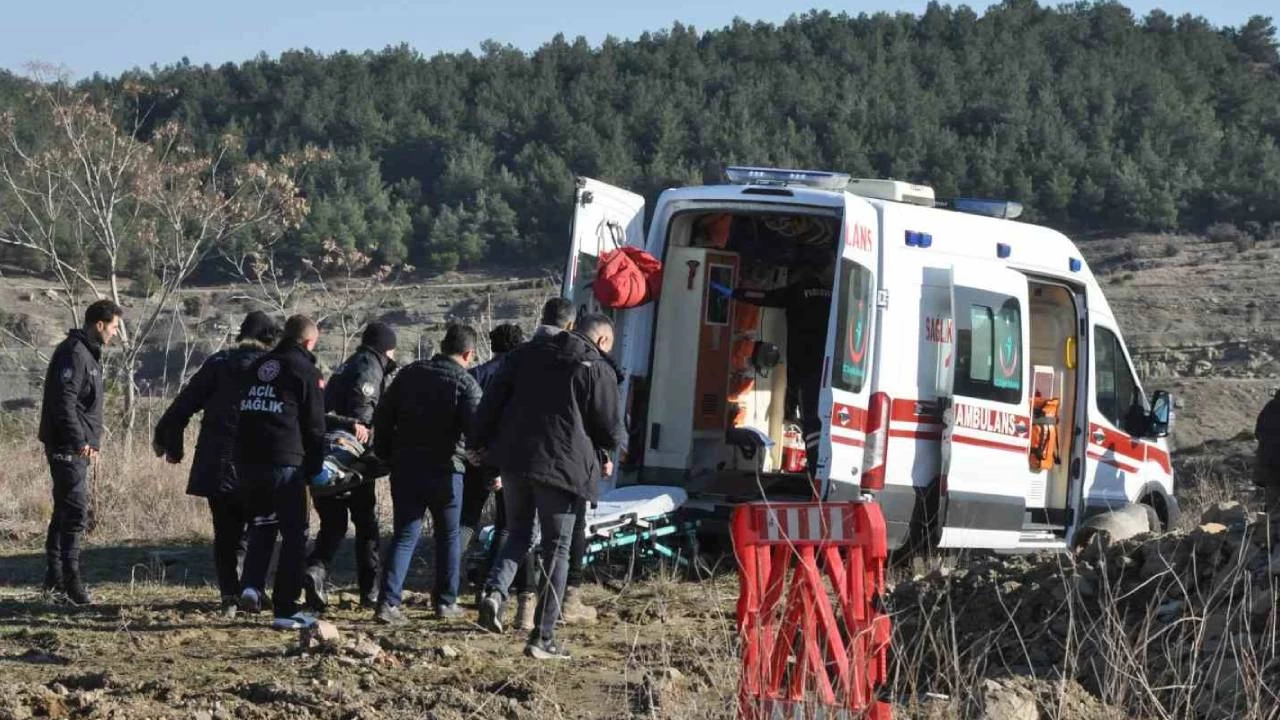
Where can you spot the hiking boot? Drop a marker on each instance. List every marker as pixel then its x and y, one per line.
pixel 448 612
pixel 391 615
pixel 76 592
pixel 227 609
pixel 575 612
pixel 369 601
pixel 250 600
pixel 313 586
pixel 526 608
pixel 543 649
pixel 491 611
pixel 296 621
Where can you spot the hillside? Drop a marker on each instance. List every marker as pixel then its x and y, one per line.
pixel 1098 121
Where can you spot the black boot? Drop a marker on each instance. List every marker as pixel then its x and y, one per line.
pixel 76 592
pixel 53 566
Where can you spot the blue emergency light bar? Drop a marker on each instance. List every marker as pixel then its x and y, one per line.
pixel 742 175
pixel 1003 209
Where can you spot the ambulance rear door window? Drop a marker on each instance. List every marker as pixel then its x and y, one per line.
pixel 853 330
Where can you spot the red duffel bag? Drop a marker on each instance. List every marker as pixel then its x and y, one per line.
pixel 627 277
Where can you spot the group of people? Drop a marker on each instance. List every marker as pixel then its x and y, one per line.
pixel 535 426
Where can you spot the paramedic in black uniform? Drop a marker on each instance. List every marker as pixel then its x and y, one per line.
pixel 350 398
pixel 71 428
pixel 279 448
pixel 215 391
pixel 807 303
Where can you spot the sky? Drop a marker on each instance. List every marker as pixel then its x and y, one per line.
pixel 92 36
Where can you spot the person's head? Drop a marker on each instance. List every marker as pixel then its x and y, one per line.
pixel 459 344
pixel 380 338
pixel 302 331
pixel 258 327
pixel 558 312
pixel 102 321
pixel 598 329
pixel 505 338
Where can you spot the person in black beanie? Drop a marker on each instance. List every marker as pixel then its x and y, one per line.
pixel 350 398
pixel 215 391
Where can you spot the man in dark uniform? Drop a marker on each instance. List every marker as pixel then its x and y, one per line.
pixel 71 429
pixel 279 448
pixel 350 397
pixel 807 303
pixel 215 390
pixel 419 428
pixel 1266 471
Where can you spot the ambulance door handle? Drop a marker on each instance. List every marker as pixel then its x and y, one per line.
pixel 1021 428
pixel 1099 437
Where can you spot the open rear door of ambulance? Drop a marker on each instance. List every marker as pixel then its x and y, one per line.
pixel 604 218
pixel 846 375
pixel 987 427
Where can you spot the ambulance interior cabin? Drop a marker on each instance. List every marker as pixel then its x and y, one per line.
pixel 718 420
pixel 1055 358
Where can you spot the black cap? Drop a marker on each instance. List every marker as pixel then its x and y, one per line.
pixel 379 336
pixel 258 326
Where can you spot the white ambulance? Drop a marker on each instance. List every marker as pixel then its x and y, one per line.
pixel 948 328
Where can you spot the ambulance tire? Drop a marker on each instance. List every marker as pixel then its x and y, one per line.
pixel 1154 521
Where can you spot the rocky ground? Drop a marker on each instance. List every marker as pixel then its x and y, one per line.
pixel 154 648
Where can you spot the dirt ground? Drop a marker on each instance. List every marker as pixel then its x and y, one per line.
pixel 153 647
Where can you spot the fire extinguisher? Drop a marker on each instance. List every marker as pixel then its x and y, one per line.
pixel 793 457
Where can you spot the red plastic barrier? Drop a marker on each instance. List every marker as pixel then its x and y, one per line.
pixel 804 655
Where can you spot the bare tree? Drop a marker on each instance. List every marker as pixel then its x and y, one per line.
pixel 96 196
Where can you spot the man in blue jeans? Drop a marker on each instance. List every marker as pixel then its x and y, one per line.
pixel 279 447
pixel 545 417
pixel 420 428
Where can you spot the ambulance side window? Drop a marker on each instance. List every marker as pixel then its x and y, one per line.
pixel 1117 389
pixel 853 329
pixel 989 353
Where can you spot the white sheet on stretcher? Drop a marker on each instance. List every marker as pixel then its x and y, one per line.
pixel 640 501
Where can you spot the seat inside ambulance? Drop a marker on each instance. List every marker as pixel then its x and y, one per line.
pixel 719 421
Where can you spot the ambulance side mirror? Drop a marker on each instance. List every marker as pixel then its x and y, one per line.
pixel 1161 418
pixel 765 356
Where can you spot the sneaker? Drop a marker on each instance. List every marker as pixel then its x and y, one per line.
pixel 526 608
pixel 574 611
pixel 540 649
pixel 296 621
pixel 391 615
pixel 313 580
pixel 227 609
pixel 251 600
pixel 491 612
pixel 369 601
pixel 448 612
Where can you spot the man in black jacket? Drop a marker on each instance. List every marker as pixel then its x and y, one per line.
pixel 279 448
pixel 215 391
pixel 479 481
pixel 545 417
pixel 419 428
pixel 1266 471
pixel 71 430
pixel 350 397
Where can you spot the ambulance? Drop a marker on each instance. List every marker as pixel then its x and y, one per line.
pixel 974 380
